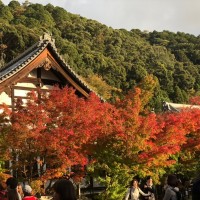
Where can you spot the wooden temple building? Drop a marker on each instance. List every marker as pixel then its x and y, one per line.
pixel 39 66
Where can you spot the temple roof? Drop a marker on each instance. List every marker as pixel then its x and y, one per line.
pixel 175 107
pixel 19 63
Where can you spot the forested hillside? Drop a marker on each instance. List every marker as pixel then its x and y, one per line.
pixel 110 60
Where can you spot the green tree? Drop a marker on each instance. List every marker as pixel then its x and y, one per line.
pixel 100 86
pixel 5 13
pixel 38 12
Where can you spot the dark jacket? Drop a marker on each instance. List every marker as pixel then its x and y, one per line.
pixel 148 189
pixel 196 190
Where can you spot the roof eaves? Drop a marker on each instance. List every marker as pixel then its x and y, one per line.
pixel 20 62
pixel 72 72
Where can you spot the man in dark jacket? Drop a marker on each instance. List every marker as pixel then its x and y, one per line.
pixel 148 187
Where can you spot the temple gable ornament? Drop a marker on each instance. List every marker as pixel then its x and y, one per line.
pixel 47 64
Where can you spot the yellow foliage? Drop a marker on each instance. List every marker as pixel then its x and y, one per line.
pixel 36 186
pixel 99 86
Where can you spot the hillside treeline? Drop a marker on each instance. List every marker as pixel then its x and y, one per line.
pixel 111 60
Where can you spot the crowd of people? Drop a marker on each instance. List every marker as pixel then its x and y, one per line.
pixel 64 190
pixel 147 191
pixel 173 189
pixel 12 190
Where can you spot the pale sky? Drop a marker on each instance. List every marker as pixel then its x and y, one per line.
pixel 150 15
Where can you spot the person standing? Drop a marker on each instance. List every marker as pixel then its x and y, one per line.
pixel 64 190
pixel 20 191
pixel 134 191
pixel 196 188
pixel 12 193
pixel 3 191
pixel 148 187
pixel 171 188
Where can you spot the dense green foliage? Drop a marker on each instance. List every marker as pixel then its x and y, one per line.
pixel 120 58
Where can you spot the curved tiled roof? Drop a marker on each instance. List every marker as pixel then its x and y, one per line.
pixel 30 54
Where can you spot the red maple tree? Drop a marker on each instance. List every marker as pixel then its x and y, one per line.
pixel 58 129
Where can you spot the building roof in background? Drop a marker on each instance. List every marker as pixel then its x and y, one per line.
pixel 175 107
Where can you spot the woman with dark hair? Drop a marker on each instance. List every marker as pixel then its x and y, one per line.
pixel 64 190
pixel 134 191
pixel 171 188
pixel 12 193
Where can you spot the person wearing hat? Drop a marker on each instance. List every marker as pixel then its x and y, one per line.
pixel 28 193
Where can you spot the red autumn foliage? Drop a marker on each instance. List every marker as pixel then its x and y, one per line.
pixel 59 130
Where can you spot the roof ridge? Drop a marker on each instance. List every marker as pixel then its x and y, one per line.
pixel 19 57
pixel 44 39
